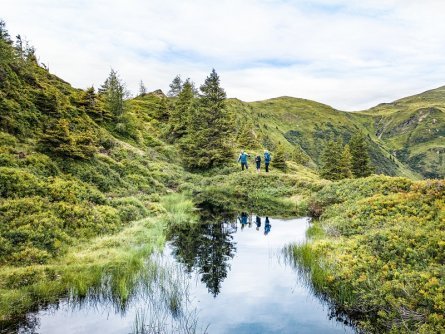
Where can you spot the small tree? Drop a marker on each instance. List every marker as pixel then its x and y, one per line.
pixel 246 136
pixel 361 164
pixel 181 112
pixel 58 139
pixel 299 156
pixel 142 89
pixel 346 162
pixel 279 158
pixel 113 92
pixel 175 86
pixel 4 34
pixel 331 161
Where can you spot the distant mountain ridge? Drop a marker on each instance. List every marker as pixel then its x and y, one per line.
pixel 405 137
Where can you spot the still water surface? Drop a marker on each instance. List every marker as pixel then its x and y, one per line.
pixel 237 279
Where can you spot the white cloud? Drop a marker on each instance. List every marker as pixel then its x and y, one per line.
pixel 345 53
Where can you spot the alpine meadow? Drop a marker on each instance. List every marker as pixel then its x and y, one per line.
pixel 95 182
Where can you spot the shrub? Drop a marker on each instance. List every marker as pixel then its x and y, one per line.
pixel 130 208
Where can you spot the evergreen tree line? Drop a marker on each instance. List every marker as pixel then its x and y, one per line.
pixel 351 160
pixel 200 122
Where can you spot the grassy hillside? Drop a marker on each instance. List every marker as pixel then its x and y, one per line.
pixel 413 130
pixel 83 190
pixel 304 127
pixel 69 171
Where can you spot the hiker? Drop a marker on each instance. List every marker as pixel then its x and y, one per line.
pixel 267 226
pixel 243 220
pixel 267 159
pixel 243 159
pixel 258 223
pixel 258 163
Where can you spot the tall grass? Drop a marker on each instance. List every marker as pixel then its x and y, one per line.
pixel 180 209
pixel 167 308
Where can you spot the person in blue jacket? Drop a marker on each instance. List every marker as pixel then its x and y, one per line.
pixel 267 226
pixel 258 223
pixel 243 159
pixel 243 219
pixel 267 159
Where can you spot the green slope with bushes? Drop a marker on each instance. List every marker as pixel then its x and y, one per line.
pixel 88 184
pixel 413 130
pixel 377 252
pixel 304 127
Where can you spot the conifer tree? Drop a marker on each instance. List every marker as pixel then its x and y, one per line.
pixel 175 86
pixel 330 168
pixel 299 156
pixel 207 143
pixel 142 89
pixel 181 111
pixel 361 165
pixel 246 137
pixel 4 34
pixel 113 92
pixel 346 162
pixel 59 140
pixel 279 158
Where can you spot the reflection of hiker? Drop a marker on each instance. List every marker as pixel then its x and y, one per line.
pixel 243 159
pixel 243 219
pixel 267 159
pixel 258 163
pixel 267 226
pixel 258 223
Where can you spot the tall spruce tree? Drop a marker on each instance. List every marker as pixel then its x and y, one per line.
pixel 181 111
pixel 361 163
pixel 331 161
pixel 208 139
pixel 175 86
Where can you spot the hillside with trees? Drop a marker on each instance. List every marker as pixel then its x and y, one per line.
pixel 91 178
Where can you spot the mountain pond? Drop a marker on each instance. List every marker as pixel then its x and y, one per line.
pixel 228 276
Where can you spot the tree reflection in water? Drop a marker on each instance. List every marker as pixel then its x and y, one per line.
pixel 206 247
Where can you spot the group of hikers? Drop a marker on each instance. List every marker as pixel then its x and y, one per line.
pixel 245 219
pixel 243 157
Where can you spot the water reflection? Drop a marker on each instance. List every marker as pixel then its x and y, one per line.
pixel 262 294
pixel 207 249
pixel 267 226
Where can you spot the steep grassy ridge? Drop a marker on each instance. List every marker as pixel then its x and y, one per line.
pixel 413 129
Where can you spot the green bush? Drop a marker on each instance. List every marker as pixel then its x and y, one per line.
pixel 130 208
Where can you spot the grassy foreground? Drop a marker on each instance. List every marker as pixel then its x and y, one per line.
pixel 105 265
pixel 378 252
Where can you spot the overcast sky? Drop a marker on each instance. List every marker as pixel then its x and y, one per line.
pixel 346 53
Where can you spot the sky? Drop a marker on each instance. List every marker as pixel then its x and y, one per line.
pixel 349 54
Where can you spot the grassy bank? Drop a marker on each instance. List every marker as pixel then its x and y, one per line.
pixel 378 252
pixel 275 193
pixel 106 265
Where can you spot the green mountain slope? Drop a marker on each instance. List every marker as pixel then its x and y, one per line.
pixel 305 126
pixel 68 170
pixel 413 129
